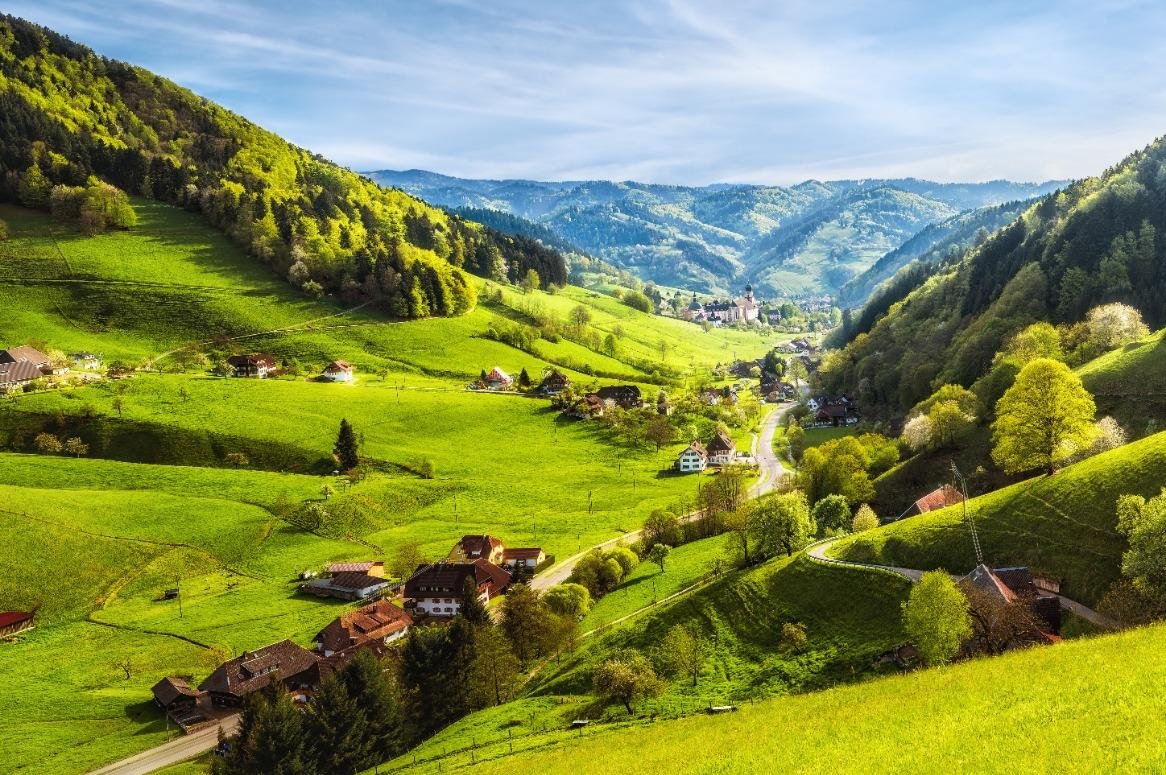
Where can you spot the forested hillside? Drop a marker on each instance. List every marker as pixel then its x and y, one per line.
pixel 1097 241
pixel 68 116
pixel 810 237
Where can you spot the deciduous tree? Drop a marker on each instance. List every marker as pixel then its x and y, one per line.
pixel 1046 416
pixel 936 618
pixel 626 678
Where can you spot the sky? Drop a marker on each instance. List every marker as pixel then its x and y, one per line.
pixel 669 91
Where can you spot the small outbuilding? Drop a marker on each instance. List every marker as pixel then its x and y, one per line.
pixel 338 371
pixel 346 586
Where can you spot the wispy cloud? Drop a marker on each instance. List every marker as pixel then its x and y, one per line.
pixel 668 90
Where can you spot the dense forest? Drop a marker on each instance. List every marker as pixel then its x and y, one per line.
pixel 69 117
pixel 1096 241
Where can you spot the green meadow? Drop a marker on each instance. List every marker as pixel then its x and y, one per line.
pixel 1091 705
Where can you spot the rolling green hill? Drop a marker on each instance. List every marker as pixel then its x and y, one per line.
pixel 1013 713
pixel 67 114
pixel 1130 383
pixel 1061 525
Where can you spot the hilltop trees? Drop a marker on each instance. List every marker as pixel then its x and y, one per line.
pixel 936 617
pixel 1045 417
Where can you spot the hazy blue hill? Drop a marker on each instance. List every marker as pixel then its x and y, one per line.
pixel 810 237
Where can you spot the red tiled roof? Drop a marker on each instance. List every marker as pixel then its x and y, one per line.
pixel 479 546
pixel 522 554
pixel 9 618
pixel 258 359
pixel 338 366
pixel 488 574
pixel 939 498
pixel 376 621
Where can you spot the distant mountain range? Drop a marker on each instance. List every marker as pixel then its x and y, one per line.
pixel 814 237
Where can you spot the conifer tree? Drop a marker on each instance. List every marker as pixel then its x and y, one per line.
pixel 346 450
pixel 375 693
pixel 338 729
pixel 472 608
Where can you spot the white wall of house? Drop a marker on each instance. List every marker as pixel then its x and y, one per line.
pixel 721 458
pixel 338 376
pixel 691 462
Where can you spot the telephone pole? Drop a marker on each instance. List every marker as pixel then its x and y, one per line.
pixel 967 515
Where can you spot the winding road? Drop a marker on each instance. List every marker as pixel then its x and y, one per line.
pixel 771 470
pixel 173 752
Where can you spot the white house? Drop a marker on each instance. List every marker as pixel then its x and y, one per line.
pixel 523 557
pixel 436 589
pixel 86 360
pixel 338 371
pixel 692 459
pixel 498 379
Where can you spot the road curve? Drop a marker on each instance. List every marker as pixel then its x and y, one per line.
pixel 770 470
pixel 174 752
pixel 818 552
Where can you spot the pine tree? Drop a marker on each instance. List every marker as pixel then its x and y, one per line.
pixel 472 608
pixel 524 379
pixel 338 730
pixel 371 687
pixel 346 450
pixel 270 739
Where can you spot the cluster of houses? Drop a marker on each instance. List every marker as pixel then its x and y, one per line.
pixel 743 309
pixel 433 592
pixel 496 380
pixel 262 365
pixel 20 366
pixel 592 405
pixel 697 457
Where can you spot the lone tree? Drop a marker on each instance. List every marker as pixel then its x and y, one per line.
pixel 936 617
pixel 626 678
pixel 237 459
pixel 864 519
pixel 523 379
pixel 832 513
pixel 659 555
pixel 345 451
pixel 1045 417
pixel 684 651
pixel 75 447
pixel 659 431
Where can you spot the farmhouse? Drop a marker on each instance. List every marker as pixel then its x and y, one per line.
pixel 15 622
pixel 721 450
pixel 371 568
pixel 623 396
pixel 174 693
pixel 525 557
pixel 338 371
pixel 477 547
pixel 1016 584
pixel 28 355
pixel 285 662
pixel 380 621
pixel 14 375
pixel 346 586
pixel 85 360
pixel 936 499
pixel 587 407
pixel 255 366
pixel 436 589
pixel 554 383
pixel 498 380
pixel 692 459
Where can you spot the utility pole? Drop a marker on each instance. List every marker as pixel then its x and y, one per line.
pixel 178 586
pixel 967 516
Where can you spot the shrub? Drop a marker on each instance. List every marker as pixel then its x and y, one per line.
pixel 864 519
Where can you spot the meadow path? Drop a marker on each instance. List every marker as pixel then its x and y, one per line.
pixel 174 752
pixel 770 470
pixel 818 552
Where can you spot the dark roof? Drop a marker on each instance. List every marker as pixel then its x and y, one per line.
pixel 376 621
pixel 258 359
pixel 168 690
pixel 449 578
pixel 983 578
pixel 556 379
pixel 522 553
pixel 721 443
pixel 23 353
pixel 1018 579
pixel 257 669
pixel 695 446
pixel 350 580
pixel 12 373
pixel 832 410
pixel 478 546
pixel 620 393
pixel 9 618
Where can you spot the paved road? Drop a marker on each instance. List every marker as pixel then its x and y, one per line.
pixel 818 552
pixel 767 461
pixel 174 752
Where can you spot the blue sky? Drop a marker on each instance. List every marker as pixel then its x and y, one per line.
pixel 665 90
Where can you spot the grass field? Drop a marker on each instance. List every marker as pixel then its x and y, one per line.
pixel 1130 383
pixel 94 541
pixel 1089 706
pixel 1061 525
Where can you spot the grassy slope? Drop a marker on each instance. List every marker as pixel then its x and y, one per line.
pixel 1130 383
pixel 95 541
pixel 1088 706
pixel 1062 525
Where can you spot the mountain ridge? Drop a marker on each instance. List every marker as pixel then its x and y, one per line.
pixel 720 236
